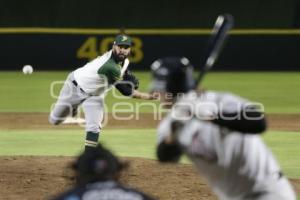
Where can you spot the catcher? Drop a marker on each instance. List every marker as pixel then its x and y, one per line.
pixel 219 132
pixel 87 86
pixel 97 175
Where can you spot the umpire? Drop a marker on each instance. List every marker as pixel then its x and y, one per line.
pixel 97 173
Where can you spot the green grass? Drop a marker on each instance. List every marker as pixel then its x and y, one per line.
pixel 278 91
pixel 128 142
pixel 285 145
pixel 27 93
pixel 131 142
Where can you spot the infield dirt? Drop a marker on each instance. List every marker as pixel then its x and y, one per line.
pixel 278 122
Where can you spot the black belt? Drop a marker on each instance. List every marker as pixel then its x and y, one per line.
pixel 76 84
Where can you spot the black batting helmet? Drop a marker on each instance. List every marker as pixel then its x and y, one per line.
pixel 97 164
pixel 173 75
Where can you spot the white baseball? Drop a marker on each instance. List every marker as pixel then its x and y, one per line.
pixel 27 69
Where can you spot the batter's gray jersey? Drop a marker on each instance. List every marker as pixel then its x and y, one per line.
pixel 236 165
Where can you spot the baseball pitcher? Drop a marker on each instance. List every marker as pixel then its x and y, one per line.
pixel 87 86
pixel 219 132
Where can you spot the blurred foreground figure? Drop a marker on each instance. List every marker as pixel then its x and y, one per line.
pixel 219 132
pixel 97 173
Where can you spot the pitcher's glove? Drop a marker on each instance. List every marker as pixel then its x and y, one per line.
pixel 129 77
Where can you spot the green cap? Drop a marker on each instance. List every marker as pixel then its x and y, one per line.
pixel 123 40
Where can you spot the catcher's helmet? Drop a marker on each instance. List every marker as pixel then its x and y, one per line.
pixel 97 164
pixel 173 75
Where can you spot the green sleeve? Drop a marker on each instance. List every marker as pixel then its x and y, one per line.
pixel 111 70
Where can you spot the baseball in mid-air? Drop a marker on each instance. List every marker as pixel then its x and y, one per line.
pixel 27 69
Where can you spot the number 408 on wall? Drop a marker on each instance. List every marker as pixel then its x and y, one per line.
pixel 92 47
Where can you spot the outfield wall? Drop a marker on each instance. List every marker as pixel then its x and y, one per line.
pixel 67 49
pixel 147 14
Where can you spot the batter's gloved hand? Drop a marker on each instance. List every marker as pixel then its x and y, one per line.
pixel 129 77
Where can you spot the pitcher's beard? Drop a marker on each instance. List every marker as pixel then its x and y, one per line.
pixel 119 58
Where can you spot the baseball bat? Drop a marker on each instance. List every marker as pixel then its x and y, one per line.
pixel 223 25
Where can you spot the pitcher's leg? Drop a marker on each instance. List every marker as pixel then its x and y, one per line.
pixel 69 98
pixel 93 110
pixel 59 113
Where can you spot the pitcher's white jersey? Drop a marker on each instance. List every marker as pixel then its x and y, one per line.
pixel 236 165
pixel 94 81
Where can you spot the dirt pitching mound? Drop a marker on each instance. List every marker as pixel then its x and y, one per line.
pixel 35 178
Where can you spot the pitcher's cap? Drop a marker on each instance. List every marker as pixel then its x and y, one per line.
pixel 123 40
